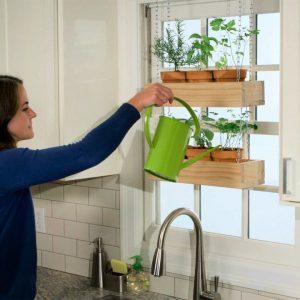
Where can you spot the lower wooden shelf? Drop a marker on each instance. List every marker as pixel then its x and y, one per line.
pixel 246 174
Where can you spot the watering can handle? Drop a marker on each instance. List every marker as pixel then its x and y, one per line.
pixel 148 116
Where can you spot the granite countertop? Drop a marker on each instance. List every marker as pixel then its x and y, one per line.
pixel 59 285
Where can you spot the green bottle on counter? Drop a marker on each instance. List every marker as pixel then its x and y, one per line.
pixel 137 280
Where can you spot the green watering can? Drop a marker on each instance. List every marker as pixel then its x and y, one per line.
pixel 168 147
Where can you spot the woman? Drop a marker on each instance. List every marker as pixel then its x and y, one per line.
pixel 21 167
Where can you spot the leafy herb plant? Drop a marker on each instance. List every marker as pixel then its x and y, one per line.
pixel 172 48
pixel 201 50
pixel 205 136
pixel 233 41
pixel 231 130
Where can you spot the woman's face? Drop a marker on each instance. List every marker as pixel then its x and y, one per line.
pixel 20 126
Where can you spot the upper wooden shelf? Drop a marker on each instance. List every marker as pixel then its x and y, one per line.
pixel 219 94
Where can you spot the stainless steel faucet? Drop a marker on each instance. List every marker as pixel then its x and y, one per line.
pixel 200 285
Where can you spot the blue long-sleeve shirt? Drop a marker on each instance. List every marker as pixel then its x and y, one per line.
pixel 19 169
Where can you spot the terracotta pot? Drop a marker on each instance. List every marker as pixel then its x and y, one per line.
pixel 199 76
pixel 172 76
pixel 194 151
pixel 230 75
pixel 227 155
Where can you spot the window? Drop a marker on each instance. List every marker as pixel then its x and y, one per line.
pixel 221 208
pixel 253 249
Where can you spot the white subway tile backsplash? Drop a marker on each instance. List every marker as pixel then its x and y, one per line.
pixel 54 226
pixel 239 288
pixel 108 234
pixel 39 258
pixel 52 191
pixel 46 204
pixel 77 266
pixel 111 217
pixel 64 245
pixel 112 252
pixel 117 200
pixel 76 194
pixel 89 214
pixel 63 210
pixel 44 241
pixel 53 260
pixel 118 237
pixel 85 249
pixel 162 285
pixel 92 182
pixel 183 288
pixel 229 294
pixel 250 296
pixel 275 296
pixel 74 217
pixel 111 182
pixel 102 197
pixel 77 230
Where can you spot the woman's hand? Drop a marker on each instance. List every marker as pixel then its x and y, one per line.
pixel 156 94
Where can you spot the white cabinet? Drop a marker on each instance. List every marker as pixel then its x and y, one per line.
pixel 290 102
pixel 28 50
pixel 66 52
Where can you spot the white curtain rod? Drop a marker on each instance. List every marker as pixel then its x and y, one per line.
pixel 153 3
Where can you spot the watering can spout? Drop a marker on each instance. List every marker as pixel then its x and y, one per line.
pixel 194 159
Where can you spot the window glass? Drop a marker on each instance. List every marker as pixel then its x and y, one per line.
pixel 270 221
pixel 173 196
pixel 221 210
pixel 268 40
pixel 270 111
pixel 266 147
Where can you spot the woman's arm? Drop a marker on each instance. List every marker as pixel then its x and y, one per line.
pixel 22 167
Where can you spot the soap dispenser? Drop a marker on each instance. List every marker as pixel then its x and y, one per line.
pixel 99 264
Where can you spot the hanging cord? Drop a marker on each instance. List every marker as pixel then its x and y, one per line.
pixel 238 58
pixel 251 62
pixel 244 119
pixel 157 36
pixel 238 62
pixel 168 12
pixel 168 20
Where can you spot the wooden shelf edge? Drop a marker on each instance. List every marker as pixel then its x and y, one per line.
pixel 247 174
pixel 219 94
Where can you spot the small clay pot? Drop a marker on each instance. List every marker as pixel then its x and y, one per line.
pixel 230 155
pixel 199 76
pixel 230 75
pixel 172 76
pixel 194 151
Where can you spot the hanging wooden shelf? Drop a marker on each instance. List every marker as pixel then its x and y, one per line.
pixel 246 174
pixel 219 94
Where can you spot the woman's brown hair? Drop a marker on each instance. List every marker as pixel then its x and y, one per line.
pixel 9 104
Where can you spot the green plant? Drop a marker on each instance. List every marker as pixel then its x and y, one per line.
pixel 205 136
pixel 172 48
pixel 233 41
pixel 201 50
pixel 231 130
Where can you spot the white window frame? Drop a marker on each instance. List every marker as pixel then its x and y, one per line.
pixel 250 263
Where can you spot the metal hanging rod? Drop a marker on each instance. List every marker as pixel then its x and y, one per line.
pixel 163 3
pixel 260 6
